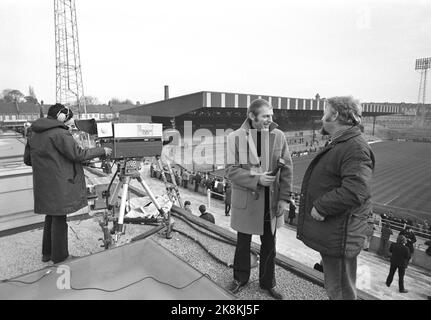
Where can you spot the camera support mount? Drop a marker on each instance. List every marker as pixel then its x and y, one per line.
pixel 127 170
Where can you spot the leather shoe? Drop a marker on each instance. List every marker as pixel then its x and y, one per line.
pixel 67 259
pixel 235 286
pixel 274 293
pixel 46 258
pixel 404 291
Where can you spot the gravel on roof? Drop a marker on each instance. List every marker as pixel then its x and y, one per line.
pixel 21 253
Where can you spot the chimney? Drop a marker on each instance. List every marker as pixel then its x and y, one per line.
pixel 166 92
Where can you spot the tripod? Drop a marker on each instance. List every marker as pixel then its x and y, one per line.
pixel 127 170
pixel 171 187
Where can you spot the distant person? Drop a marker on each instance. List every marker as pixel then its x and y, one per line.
pixel 206 215
pixel 411 239
pixel 188 206
pixel 384 239
pixel 180 179
pixel 177 178
pixel 399 260
pixel 186 177
pixel 292 213
pixel 58 177
pixel 227 199
pixel 152 170
pixel 198 179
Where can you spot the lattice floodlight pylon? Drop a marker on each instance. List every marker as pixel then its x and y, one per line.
pixel 422 65
pixel 69 87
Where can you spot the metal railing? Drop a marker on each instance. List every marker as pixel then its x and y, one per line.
pixel 210 192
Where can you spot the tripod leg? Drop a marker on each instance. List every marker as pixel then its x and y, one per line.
pixel 114 196
pixel 158 206
pixel 165 180
pixel 177 192
pixel 162 170
pixel 123 205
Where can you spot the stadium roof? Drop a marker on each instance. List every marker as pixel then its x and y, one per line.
pixel 170 108
pixel 209 99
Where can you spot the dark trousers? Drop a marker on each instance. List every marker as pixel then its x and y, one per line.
pixel 241 264
pixel 54 242
pixel 401 273
pixel 185 183
pixel 196 186
pixel 340 277
pixel 226 208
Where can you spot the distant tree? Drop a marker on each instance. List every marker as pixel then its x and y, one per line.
pixel 12 95
pixel 117 101
pixel 31 96
pixel 90 100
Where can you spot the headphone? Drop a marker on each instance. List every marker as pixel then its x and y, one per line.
pixel 354 118
pixel 63 116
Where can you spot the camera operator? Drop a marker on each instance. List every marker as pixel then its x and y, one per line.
pixel 58 177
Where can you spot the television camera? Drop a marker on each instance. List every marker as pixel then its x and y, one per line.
pixel 130 144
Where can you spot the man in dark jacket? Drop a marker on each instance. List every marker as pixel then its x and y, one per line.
pixel 58 177
pixel 399 260
pixel 206 215
pixel 336 198
pixel 410 237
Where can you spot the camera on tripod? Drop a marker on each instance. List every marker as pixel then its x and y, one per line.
pixel 127 140
pixel 130 144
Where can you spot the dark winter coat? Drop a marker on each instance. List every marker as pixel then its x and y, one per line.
pixel 400 255
pixel 58 177
pixel 208 217
pixel 337 185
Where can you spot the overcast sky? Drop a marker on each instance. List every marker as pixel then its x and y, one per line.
pixel 132 48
